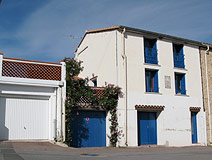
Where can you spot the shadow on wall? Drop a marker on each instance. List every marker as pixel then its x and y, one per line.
pixel 4 132
pixel 80 132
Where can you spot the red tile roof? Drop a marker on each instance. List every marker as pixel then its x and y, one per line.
pixel 195 109
pixel 149 107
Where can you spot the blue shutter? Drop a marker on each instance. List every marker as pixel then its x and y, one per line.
pixel 146 47
pixel 194 127
pixel 175 55
pixel 156 82
pixel 154 52
pixel 147 81
pixel 147 128
pixel 176 84
pixel 181 58
pixel 183 90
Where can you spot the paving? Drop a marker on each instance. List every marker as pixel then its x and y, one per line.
pixel 49 151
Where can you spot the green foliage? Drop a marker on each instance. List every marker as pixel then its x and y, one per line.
pixel 77 88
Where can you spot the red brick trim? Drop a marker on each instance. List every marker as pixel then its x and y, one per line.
pixel 26 60
pixel 195 109
pixel 149 107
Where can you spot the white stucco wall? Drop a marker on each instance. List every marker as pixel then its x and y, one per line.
pixel 103 58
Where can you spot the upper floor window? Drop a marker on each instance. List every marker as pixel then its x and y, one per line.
pixel 151 80
pixel 94 80
pixel 180 83
pixel 150 51
pixel 178 56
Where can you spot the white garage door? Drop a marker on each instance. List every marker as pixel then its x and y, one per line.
pixel 22 118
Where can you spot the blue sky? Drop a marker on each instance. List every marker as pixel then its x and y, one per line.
pixel 41 29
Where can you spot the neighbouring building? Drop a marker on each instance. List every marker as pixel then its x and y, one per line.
pixel 161 80
pixel 206 68
pixel 32 97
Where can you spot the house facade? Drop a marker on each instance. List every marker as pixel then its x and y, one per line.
pixel 31 99
pixel 206 68
pixel 160 77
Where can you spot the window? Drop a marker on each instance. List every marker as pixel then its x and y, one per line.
pixel 94 82
pixel 178 56
pixel 151 80
pixel 150 51
pixel 180 83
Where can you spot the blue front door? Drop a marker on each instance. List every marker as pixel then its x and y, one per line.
pixel 147 128
pixel 88 129
pixel 194 127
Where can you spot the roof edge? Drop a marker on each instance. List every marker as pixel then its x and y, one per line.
pixel 145 33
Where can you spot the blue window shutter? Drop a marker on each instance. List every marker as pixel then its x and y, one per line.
pixel 156 82
pixel 181 58
pixel 174 55
pixel 147 81
pixel 176 84
pixel 154 52
pixel 183 90
pixel 146 46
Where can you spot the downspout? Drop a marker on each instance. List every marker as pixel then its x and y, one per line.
pixel 207 85
pixel 125 85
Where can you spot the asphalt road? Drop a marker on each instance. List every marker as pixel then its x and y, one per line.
pixel 48 151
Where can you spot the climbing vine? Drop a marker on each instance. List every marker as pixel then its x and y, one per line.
pixel 76 88
pixel 110 101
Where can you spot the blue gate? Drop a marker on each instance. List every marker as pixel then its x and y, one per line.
pixel 194 127
pixel 147 128
pixel 88 129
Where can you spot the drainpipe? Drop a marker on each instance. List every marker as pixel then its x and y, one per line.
pixel 63 97
pixel 125 85
pixel 207 85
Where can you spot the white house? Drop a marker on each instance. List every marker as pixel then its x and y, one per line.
pixel 161 81
pixel 31 99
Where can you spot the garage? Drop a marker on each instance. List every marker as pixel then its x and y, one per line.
pixel 88 128
pixel 24 118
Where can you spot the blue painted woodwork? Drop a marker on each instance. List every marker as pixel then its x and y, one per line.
pixel 88 129
pixel 151 81
pixel 150 51
pixel 194 127
pixel 180 87
pixel 178 56
pixel 183 90
pixel 156 82
pixel 147 128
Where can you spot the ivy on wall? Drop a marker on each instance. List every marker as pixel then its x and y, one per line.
pixel 76 88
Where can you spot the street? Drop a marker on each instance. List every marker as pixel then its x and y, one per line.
pixel 48 151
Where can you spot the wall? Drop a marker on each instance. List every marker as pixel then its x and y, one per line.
pixel 207 90
pixel 98 53
pixel 174 123
pixel 103 58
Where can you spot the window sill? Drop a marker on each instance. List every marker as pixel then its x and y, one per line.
pixel 151 64
pixel 155 93
pixel 183 95
pixel 181 69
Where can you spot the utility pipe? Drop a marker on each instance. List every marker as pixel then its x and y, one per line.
pixel 125 85
pixel 207 85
